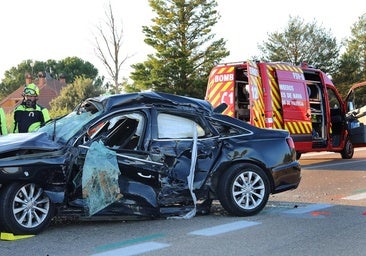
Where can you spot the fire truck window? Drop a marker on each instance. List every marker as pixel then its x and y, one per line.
pixel 243 94
pixel 313 92
pixel 333 100
pixel 242 105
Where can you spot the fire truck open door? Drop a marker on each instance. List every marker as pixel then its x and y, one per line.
pixel 291 106
pixel 256 98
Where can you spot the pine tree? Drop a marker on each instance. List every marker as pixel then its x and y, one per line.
pixel 185 46
pixel 302 42
pixel 352 64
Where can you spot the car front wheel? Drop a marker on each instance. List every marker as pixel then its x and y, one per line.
pixel 25 209
pixel 243 190
pixel 348 150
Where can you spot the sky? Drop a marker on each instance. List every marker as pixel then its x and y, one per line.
pixel 55 29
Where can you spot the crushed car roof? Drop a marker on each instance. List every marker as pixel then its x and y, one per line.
pixel 155 98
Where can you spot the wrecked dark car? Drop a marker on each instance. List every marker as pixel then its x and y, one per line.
pixel 142 155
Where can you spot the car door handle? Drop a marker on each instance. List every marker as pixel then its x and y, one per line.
pixel 144 176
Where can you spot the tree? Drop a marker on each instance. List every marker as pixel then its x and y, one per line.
pixel 14 77
pixel 72 67
pixel 185 48
pixel 71 95
pixel 108 48
pixel 302 42
pixel 352 64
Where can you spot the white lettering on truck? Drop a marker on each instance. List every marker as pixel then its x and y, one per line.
pixel 253 71
pixel 286 87
pixel 255 92
pixel 290 96
pixel 227 97
pixel 224 78
pixel 297 96
pixel 298 76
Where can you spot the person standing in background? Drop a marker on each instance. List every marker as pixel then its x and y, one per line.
pixel 3 129
pixel 29 115
pixel 28 79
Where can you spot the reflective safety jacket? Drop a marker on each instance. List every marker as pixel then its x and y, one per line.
pixel 29 119
pixel 3 129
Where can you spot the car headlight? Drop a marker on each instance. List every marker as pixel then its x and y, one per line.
pixel 10 170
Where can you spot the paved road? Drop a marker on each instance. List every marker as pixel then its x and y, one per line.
pixel 327 178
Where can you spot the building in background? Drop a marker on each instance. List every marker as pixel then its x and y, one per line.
pixel 49 88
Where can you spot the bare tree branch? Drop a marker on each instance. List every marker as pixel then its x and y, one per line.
pixel 108 48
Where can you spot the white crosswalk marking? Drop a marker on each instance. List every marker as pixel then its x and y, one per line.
pixel 215 230
pixel 356 197
pixel 309 208
pixel 134 249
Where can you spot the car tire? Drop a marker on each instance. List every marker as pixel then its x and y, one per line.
pixel 25 209
pixel 243 190
pixel 348 150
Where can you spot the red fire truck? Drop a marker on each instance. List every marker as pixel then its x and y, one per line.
pixel 300 99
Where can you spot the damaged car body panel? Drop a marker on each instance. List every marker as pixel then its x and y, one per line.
pixel 23 141
pixel 150 155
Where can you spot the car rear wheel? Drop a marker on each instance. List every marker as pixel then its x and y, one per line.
pixel 25 209
pixel 243 190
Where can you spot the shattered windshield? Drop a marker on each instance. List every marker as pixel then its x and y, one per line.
pixel 61 130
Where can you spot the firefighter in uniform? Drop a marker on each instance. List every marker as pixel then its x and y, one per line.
pixel 3 129
pixel 29 115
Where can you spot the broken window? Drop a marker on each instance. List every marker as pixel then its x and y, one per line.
pixel 100 178
pixel 226 130
pixel 65 128
pixel 120 132
pixel 100 170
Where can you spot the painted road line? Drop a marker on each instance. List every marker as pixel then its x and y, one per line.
pixel 134 249
pixel 328 153
pixel 224 228
pixel 356 197
pixel 110 246
pixel 318 153
pixel 308 208
pixel 316 166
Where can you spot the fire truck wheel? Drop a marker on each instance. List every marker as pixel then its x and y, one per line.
pixel 243 189
pixel 348 150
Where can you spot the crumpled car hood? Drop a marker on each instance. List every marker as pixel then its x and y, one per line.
pixel 34 140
